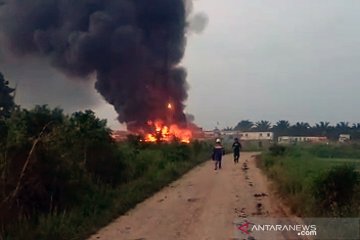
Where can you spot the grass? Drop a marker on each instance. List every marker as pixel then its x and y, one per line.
pixel 301 171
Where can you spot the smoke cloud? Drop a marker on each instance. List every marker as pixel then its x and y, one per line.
pixel 133 46
pixel 198 22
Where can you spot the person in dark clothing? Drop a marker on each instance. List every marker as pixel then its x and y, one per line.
pixel 236 149
pixel 218 152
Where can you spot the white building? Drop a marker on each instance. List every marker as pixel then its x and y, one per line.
pixel 301 139
pixel 344 138
pixel 248 136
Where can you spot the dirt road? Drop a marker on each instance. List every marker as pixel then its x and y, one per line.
pixel 203 204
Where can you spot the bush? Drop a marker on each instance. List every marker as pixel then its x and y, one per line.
pixel 333 190
pixel 68 153
pixel 277 150
pixel 177 152
pixel 336 151
pixel 314 186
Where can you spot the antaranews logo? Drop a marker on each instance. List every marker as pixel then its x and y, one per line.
pixel 301 230
pixel 295 229
pixel 245 228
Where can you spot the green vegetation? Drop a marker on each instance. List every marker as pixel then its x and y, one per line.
pixel 284 128
pixel 316 180
pixel 63 176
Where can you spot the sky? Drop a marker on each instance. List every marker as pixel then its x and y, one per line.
pixel 257 59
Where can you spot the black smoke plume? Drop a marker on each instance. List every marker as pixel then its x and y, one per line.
pixel 133 46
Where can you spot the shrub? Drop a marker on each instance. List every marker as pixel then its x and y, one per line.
pixel 333 190
pixel 314 186
pixel 177 152
pixel 336 151
pixel 277 150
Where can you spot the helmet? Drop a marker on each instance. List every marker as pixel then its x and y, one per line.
pixel 218 140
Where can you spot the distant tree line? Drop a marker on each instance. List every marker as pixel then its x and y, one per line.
pixel 284 128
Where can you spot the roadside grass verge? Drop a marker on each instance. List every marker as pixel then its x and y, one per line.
pixel 315 180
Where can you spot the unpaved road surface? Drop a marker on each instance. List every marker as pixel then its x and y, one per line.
pixel 203 204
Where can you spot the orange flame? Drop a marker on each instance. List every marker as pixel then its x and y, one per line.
pixel 165 133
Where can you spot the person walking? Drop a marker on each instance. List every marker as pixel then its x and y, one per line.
pixel 218 152
pixel 236 149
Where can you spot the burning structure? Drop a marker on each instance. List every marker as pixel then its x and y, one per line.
pixel 133 47
pixel 166 131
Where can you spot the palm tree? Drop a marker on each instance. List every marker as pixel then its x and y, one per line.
pixel 356 126
pixel 244 125
pixel 282 125
pixel 322 128
pixel 262 126
pixel 300 129
pixel 281 128
pixel 343 127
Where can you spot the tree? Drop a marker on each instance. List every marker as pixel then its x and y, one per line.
pixel 52 157
pixel 244 125
pixel 6 98
pixel 90 131
pixel 24 125
pixel 300 129
pixel 281 128
pixel 282 125
pixel 343 127
pixel 262 126
pixel 322 128
pixel 356 126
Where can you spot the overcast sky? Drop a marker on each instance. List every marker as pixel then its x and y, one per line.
pixel 257 59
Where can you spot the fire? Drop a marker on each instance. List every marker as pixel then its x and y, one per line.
pixel 165 133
